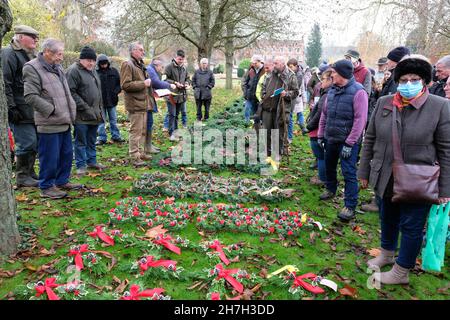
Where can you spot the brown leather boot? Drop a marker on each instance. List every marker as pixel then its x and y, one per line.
pixel 370 207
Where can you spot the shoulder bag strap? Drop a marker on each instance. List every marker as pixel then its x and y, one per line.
pixel 395 138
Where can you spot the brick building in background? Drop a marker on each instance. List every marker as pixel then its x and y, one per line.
pixel 269 49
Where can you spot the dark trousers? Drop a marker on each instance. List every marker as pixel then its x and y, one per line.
pixel 320 156
pixel 55 159
pixel 200 103
pixel 409 219
pixel 349 170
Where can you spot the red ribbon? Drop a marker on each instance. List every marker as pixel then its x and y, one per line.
pixel 226 274
pixel 215 296
pixel 136 294
pixel 165 241
pixel 99 233
pixel 299 282
pixel 218 248
pixel 77 253
pixel 49 285
pixel 151 263
pixel 84 248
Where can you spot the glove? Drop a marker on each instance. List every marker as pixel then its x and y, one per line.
pixel 346 152
pixel 14 115
pixel 321 143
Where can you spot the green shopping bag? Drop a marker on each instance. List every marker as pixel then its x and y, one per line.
pixel 434 252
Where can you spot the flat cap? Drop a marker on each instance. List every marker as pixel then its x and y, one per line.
pixel 22 29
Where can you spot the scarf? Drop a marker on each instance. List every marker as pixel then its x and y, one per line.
pixel 401 102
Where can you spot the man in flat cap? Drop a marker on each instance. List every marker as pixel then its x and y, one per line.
pixel 20 114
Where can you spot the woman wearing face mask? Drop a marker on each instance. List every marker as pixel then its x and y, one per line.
pixel 423 124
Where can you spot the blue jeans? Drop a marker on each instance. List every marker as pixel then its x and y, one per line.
pixel 55 159
pixel 349 169
pixel 409 219
pixel 115 133
pixel 320 156
pixel 173 112
pixel 300 119
pixel 85 152
pixel 250 109
pixel 183 116
pixel 25 138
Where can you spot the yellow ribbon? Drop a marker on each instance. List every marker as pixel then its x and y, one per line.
pixel 273 163
pixel 289 268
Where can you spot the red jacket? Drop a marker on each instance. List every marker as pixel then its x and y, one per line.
pixel 360 73
pixel 11 140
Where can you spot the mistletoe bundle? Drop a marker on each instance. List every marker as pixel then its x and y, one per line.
pixel 208 187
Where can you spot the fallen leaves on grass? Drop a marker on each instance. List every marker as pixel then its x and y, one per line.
pixel 348 291
pixel 121 287
pixel 154 232
pixel 374 252
pixel 9 273
pixel 21 197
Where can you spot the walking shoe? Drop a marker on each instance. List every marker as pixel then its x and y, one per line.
pixel 146 157
pixel 397 275
pixel 81 172
pixel 120 140
pixel 173 138
pixel 71 186
pixel 96 166
pixel 53 193
pixel 100 142
pixel 315 181
pixel 327 195
pixel 347 215
pixel 138 163
pixel 385 258
pixel 154 150
pixel 370 207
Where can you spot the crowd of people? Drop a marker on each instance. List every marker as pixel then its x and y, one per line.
pixel 371 121
pixel 45 102
pixel 389 128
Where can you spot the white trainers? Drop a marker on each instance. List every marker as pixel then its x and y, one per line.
pixel 173 138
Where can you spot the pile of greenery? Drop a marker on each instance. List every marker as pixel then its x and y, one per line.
pixel 232 117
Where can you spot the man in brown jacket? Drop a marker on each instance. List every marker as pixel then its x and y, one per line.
pixel 47 91
pixel 135 83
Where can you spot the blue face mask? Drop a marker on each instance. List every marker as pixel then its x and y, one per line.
pixel 410 90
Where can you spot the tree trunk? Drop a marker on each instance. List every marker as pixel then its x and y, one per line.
pixel 9 234
pixel 229 57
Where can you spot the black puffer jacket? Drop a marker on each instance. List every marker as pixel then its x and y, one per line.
pixel 12 62
pixel 389 87
pixel 438 88
pixel 110 79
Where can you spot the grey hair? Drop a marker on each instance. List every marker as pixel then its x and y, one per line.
pixel 269 61
pixel 445 61
pixel 280 59
pixel 257 57
pixel 204 60
pixel 133 45
pixel 157 62
pixel 52 45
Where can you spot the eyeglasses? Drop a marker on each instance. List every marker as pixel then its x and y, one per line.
pixel 413 81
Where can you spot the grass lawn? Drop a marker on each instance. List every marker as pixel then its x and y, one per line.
pixel 338 252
